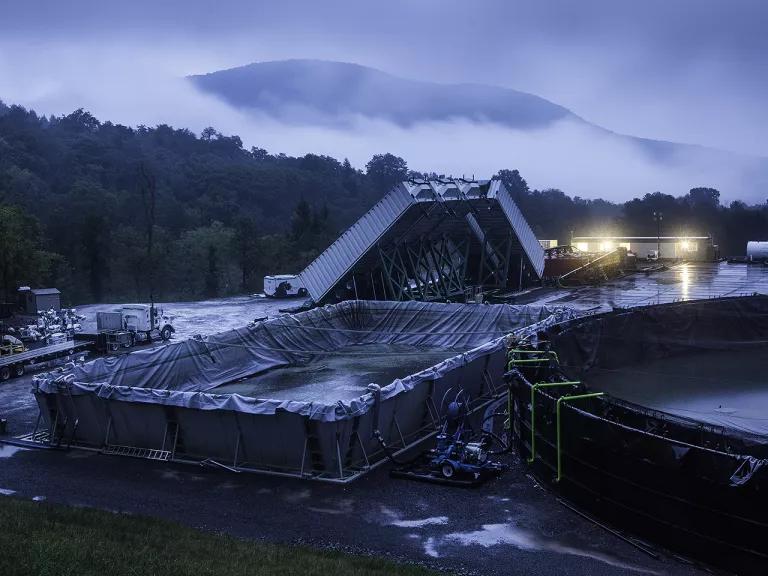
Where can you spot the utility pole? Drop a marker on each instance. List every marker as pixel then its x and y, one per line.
pixel 658 216
pixel 148 187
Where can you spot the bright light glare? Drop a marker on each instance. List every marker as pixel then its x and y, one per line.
pixel 685 245
pixel 685 276
pixel 582 246
pixel 606 246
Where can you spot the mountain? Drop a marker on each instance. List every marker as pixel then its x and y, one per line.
pixel 336 89
pixel 479 127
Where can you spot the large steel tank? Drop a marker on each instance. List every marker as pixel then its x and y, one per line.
pixel 757 250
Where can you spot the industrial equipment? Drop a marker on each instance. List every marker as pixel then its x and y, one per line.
pixel 11 345
pixel 132 324
pixel 461 456
pixel 14 365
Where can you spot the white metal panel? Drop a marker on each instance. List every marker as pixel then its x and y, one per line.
pixel 333 265
pixel 340 257
pixel 522 230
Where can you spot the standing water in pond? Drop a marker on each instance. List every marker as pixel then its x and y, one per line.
pixel 340 375
pixel 725 388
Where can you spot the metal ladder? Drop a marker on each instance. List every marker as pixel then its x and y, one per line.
pixel 136 452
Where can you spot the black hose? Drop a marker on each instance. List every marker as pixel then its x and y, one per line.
pixel 504 446
pixel 386 450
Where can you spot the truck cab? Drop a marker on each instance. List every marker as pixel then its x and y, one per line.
pixel 146 323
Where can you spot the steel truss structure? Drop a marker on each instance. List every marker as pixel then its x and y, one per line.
pixel 431 240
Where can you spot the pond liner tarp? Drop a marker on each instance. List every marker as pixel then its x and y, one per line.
pixel 186 374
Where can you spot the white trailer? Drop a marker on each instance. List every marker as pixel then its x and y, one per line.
pixel 757 251
pixel 284 286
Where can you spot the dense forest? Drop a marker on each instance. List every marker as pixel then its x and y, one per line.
pixel 106 212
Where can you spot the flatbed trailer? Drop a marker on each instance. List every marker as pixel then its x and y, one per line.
pixel 13 365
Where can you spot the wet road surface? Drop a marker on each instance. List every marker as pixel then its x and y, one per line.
pixel 690 281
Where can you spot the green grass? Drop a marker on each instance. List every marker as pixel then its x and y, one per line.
pixel 46 539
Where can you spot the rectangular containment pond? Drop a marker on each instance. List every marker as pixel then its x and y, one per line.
pixel 301 395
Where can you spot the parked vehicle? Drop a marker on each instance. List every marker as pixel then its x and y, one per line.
pixel 132 324
pixel 283 286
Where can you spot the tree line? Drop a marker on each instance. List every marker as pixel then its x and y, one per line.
pixel 107 212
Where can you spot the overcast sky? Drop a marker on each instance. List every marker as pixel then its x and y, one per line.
pixel 686 70
pixel 693 71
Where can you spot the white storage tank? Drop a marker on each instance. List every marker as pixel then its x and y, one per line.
pixel 757 250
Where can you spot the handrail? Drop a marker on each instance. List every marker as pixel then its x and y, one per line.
pixel 559 449
pixel 514 362
pixel 535 387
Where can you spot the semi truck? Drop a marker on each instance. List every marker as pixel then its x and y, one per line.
pixel 130 325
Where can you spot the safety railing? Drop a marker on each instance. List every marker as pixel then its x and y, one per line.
pixel 534 388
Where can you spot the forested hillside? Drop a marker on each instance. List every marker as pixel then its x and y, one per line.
pixel 110 213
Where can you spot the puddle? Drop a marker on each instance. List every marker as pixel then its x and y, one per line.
pixel 435 521
pixel 429 548
pixel 170 475
pixel 511 535
pixel 294 497
pixel 6 450
pixel 337 507
pixel 394 518
pixel 80 454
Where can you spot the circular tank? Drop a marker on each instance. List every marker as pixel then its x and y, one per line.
pixel 757 250
pixel 654 419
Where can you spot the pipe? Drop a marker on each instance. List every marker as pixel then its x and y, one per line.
pixel 559 448
pixel 550 352
pixel 535 387
pixel 542 360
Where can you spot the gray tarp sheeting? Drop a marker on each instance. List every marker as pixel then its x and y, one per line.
pixel 186 373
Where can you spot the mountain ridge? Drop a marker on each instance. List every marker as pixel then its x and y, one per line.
pixel 236 86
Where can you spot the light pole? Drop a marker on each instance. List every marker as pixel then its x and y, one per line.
pixel 658 216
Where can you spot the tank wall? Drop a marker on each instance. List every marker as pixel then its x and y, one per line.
pixel 283 441
pixel 685 483
pixel 702 502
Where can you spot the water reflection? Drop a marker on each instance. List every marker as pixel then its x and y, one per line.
pixel 685 276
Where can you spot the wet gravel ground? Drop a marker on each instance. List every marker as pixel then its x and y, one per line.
pixel 207 316
pixel 508 526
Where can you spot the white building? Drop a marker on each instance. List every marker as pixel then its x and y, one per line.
pixel 669 247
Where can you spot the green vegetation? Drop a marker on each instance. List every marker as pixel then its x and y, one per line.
pixel 44 539
pixel 110 213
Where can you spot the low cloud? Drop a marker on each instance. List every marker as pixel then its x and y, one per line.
pixel 130 86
